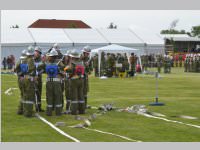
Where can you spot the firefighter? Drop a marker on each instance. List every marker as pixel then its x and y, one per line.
pixel 26 70
pixel 76 69
pixel 53 69
pixel 38 61
pixel 22 60
pixel 88 68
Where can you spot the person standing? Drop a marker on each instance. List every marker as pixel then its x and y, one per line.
pixel 132 62
pixel 87 62
pixel 67 63
pixel 27 71
pixel 4 63
pixel 95 65
pixel 53 83
pixel 180 60
pixel 20 75
pixel 77 71
pixel 38 61
pixel 159 63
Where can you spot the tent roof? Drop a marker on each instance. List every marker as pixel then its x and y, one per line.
pixel 114 48
pixel 173 35
pixel 120 36
pixel 147 36
pixel 52 35
pixel 15 35
pixel 79 36
pixel 194 39
pixel 54 23
pixel 85 36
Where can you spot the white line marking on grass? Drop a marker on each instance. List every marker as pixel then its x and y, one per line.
pixel 57 129
pixel 7 91
pixel 188 124
pixel 123 137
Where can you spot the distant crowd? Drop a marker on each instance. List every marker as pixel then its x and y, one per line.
pixel 9 62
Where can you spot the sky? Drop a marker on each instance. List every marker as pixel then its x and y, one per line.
pixel 154 20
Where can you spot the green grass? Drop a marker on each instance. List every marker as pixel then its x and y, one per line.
pixel 178 90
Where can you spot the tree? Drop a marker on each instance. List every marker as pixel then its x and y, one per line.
pixel 173 24
pixel 195 31
pixel 173 31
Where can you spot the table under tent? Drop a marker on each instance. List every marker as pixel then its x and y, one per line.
pixel 115 49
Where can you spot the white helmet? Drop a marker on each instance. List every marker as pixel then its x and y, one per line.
pixel 86 49
pixel 75 54
pixel 53 52
pixel 68 53
pixel 30 48
pixel 23 54
pixel 30 51
pixel 37 48
pixel 56 46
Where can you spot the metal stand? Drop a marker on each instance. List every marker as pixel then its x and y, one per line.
pixel 156 103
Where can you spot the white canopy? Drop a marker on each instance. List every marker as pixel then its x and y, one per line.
pixel 114 48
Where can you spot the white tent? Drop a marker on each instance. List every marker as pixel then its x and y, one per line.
pixel 114 48
pixel 13 41
pixel 154 43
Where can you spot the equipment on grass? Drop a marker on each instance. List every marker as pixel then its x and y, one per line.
pixel 156 103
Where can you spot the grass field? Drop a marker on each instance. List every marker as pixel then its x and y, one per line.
pixel 179 91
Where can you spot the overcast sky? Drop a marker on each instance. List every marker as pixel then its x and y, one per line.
pixel 154 20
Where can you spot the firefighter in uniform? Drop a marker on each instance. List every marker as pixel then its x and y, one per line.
pixel 159 63
pixel 95 65
pixel 38 62
pixel 27 70
pixel 67 63
pixel 126 64
pixel 109 70
pixel 20 81
pixel 88 68
pixel 53 70
pixel 132 62
pixel 180 58
pixel 76 70
pixel 185 64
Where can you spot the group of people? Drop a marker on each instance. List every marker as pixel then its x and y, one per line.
pixel 9 62
pixel 115 64
pixel 158 61
pixel 192 63
pixel 66 73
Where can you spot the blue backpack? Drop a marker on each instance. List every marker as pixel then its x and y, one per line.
pixel 24 68
pixel 52 70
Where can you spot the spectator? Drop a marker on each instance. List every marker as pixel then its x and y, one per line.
pixel 12 61
pixel 4 62
pixel 9 62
